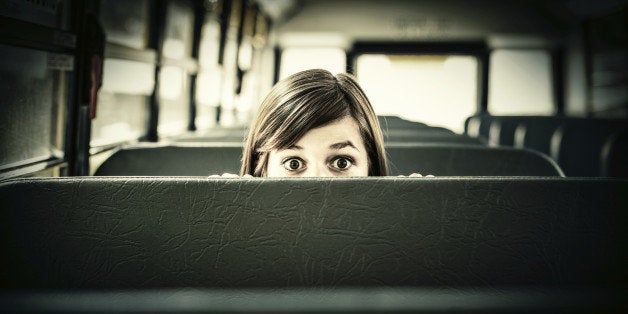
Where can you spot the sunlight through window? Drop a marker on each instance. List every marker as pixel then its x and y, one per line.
pixel 294 60
pixel 438 90
pixel 520 83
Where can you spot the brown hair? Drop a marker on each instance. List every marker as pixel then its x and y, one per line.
pixel 304 101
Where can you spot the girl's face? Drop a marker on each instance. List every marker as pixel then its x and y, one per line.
pixel 333 150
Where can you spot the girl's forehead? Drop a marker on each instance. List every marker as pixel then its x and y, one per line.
pixel 338 134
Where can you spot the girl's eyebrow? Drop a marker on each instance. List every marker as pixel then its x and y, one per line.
pixel 342 145
pixel 335 146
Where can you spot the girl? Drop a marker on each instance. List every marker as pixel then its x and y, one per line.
pixel 315 124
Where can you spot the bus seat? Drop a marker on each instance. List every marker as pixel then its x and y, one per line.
pixel 372 300
pixel 397 130
pixel 395 122
pixel 577 145
pixel 445 140
pixel 463 160
pixel 485 125
pixel 502 129
pixel 537 134
pixel 83 233
pixel 428 135
pixel 216 134
pixel 479 127
pixel 501 132
pixel 404 158
pixel 466 124
pixel 473 126
pixel 173 160
pixel 211 139
pixel 614 157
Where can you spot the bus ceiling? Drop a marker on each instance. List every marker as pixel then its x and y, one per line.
pixel 503 24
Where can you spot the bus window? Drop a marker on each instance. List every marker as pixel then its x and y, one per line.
pixel 209 80
pixel 173 100
pixel 248 63
pixel 128 74
pixel 421 87
pixel 173 81
pixel 178 32
pixel 230 79
pixel 298 59
pixel 125 22
pixel 122 102
pixel 520 83
pixel 35 90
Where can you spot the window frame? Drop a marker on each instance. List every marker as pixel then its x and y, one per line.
pixel 24 32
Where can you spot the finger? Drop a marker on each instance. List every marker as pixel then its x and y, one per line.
pixel 415 175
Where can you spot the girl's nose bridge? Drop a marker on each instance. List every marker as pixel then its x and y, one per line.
pixel 318 170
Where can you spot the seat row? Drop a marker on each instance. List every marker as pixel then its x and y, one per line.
pixel 581 146
pixel 411 147
pixel 494 236
pixel 395 130
pixel 202 159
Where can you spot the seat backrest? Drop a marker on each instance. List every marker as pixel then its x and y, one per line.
pixel 614 157
pixel 502 128
pixel 577 145
pixel 485 126
pixel 435 159
pixel 372 300
pixel 211 139
pixel 218 134
pixel 466 160
pixel 396 130
pixel 131 233
pixel 466 123
pixel 426 132
pixel 478 126
pixel 173 160
pixel 537 133
pixel 428 135
pixel 395 122
pixel 449 139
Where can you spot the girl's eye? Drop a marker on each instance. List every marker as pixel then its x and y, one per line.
pixel 293 164
pixel 341 163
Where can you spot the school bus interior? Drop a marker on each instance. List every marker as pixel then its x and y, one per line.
pixel 115 113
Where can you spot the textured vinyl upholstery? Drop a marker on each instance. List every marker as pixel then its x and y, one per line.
pixel 465 160
pixel 323 300
pixel 173 160
pixel 578 145
pixel 91 233
pixel 427 136
pixel 238 134
pixel 218 134
pixel 536 134
pixel 212 139
pixel 440 160
pixel 615 155
pixel 479 126
pixel 395 122
pixel 396 126
pixel 502 128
